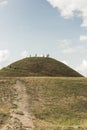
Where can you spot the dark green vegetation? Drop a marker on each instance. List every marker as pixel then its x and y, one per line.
pixel 38 66
pixel 54 103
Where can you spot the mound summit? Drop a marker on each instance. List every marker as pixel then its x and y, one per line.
pixel 38 66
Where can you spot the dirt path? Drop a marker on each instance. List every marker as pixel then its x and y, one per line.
pixel 20 117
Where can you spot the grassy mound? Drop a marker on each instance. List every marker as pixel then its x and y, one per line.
pixel 39 66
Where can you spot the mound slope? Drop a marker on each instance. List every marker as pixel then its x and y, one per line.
pixel 39 66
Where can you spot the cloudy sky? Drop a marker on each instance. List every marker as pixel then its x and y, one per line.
pixel 57 27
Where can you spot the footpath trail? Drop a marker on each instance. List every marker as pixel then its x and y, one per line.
pixel 20 117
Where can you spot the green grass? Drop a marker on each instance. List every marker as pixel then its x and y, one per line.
pixel 38 66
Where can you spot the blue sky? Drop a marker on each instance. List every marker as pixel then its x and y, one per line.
pixel 44 26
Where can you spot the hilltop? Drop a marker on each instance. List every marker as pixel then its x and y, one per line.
pixel 39 66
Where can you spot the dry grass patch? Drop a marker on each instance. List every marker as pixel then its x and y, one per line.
pixel 58 101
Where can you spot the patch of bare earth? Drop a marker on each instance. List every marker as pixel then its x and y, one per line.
pixel 20 118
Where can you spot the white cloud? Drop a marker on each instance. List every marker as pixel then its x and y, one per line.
pixel 4 55
pixel 3 3
pixel 82 68
pixel 67 47
pixel 0 67
pixel 24 54
pixel 69 50
pixel 83 38
pixel 76 49
pixel 64 43
pixel 65 62
pixel 71 8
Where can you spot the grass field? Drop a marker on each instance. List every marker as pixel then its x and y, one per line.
pixel 54 103
pixel 58 101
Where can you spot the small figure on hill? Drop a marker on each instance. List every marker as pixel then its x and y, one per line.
pixel 48 55
pixel 35 55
